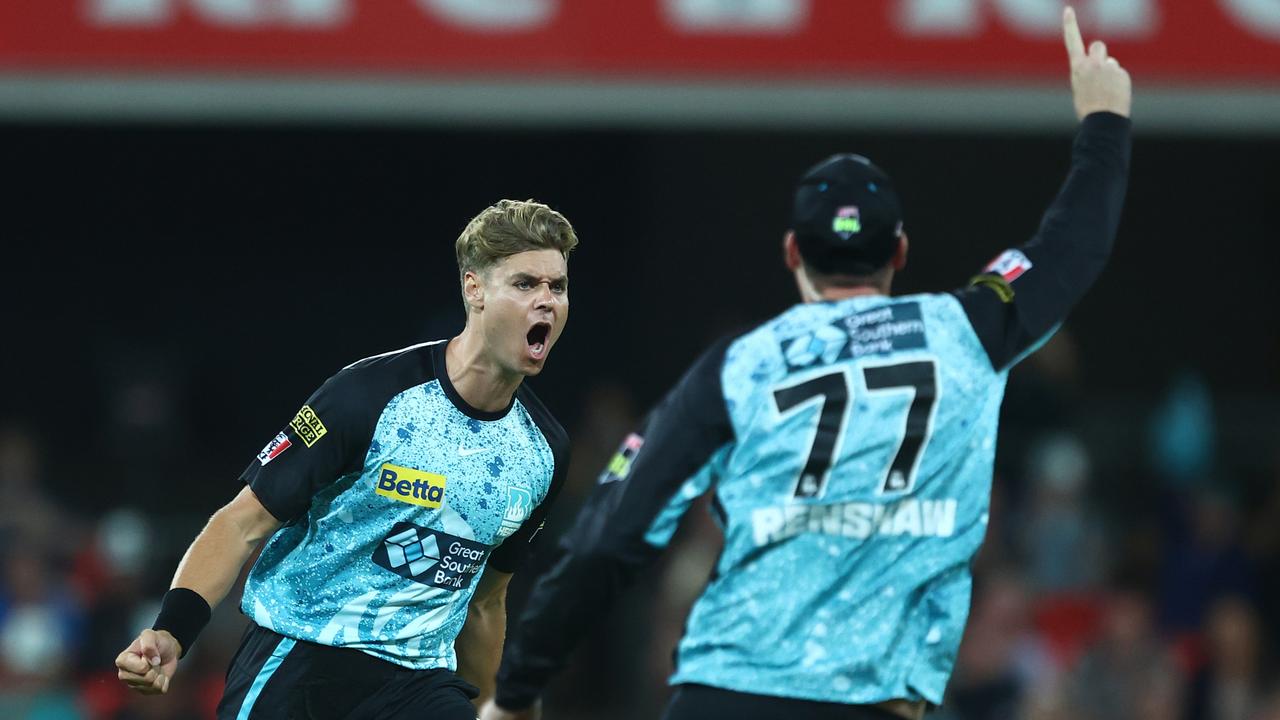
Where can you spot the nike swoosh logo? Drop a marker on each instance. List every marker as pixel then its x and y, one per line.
pixel 468 452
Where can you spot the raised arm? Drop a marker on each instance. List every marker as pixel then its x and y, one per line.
pixel 1025 293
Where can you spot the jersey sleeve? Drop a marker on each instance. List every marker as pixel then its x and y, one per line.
pixel 326 439
pixel 621 528
pixel 512 553
pixel 1021 298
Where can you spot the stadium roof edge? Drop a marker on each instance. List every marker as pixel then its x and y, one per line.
pixel 614 104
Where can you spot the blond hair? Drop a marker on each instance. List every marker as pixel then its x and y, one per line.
pixel 509 227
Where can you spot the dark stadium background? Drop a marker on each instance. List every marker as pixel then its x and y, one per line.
pixel 172 293
pixel 238 267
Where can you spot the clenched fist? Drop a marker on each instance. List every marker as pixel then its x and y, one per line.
pixel 1098 83
pixel 148 663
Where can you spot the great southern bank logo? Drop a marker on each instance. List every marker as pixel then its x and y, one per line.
pixel 879 330
pixel 430 557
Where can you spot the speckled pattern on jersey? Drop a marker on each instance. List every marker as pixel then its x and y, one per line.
pixel 390 573
pixel 855 590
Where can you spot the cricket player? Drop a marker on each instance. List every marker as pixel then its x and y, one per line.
pixel 395 505
pixel 847 445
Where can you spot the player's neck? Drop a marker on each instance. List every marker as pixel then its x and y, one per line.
pixel 810 292
pixel 840 293
pixel 481 382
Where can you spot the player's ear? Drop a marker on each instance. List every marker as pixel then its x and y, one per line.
pixel 900 255
pixel 473 290
pixel 791 251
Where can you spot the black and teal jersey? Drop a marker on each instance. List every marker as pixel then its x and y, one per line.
pixel 397 495
pixel 848 447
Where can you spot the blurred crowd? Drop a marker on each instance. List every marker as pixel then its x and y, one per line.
pixel 1139 581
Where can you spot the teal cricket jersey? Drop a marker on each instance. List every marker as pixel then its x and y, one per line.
pixel 397 496
pixel 848 448
pixel 852 500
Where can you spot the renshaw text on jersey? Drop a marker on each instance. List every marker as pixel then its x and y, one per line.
pixel 859 520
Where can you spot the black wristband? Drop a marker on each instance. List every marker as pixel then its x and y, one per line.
pixel 183 613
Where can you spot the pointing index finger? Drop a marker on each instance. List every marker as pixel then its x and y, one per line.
pixel 1071 32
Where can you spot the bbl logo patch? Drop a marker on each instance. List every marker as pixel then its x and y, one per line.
pixel 847 222
pixel 620 466
pixel 430 557
pixel 278 444
pixel 1010 265
pixel 308 426
pixel 519 505
pixel 412 486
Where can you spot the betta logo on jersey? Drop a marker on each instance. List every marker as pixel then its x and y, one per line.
pixel 620 466
pixel 430 557
pixel 274 448
pixel 847 222
pixel 1010 265
pixel 308 426
pixel 411 486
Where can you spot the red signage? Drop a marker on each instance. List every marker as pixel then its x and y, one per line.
pixel 1182 41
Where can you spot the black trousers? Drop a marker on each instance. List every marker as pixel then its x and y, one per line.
pixel 699 702
pixel 273 677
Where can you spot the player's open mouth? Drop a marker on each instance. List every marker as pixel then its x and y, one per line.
pixel 537 339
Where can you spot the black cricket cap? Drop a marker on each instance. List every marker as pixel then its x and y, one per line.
pixel 846 217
